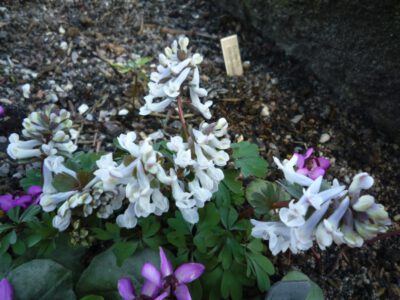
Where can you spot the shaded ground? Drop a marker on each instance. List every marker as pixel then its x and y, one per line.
pixel 61 50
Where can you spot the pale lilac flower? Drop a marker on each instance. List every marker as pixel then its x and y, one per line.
pixel 173 282
pixel 8 202
pixel 6 290
pixel 311 165
pixel 149 290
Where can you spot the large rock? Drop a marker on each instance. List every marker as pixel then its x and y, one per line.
pixel 351 45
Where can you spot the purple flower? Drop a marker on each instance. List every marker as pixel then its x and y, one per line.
pixel 8 201
pixel 150 291
pixel 2 111
pixel 310 165
pixel 173 282
pixel 6 290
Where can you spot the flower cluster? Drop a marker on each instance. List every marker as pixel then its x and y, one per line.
pixel 177 67
pixel 324 215
pixel 160 285
pixel 9 201
pixel 202 156
pixel 47 133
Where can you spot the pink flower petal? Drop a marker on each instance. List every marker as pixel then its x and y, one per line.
pixel 150 289
pixel 166 267
pixel 7 202
pixel 308 153
pixel 6 290
pixel 188 272
pixel 316 172
pixel 126 289
pixel 150 272
pixel 324 163
pixel 182 293
pixel 303 171
pixel 34 190
pixel 162 296
pixel 300 160
pixel 23 201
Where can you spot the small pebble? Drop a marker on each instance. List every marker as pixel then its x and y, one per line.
pixel 83 108
pixel 123 112
pixel 64 46
pixel 296 119
pixel 324 138
pixel 26 90
pixel 274 81
pixel 61 30
pixel 265 111
pixel 89 117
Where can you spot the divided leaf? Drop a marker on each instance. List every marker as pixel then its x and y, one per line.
pixel 248 160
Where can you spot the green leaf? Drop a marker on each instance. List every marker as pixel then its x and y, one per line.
pixel 228 216
pixel 232 182
pixel 5 263
pixel 223 196
pixel 82 161
pixel 177 239
pixel 208 217
pixel 102 274
pixel 32 240
pixel 226 257
pixel 295 190
pixel 289 290
pixel 41 279
pixel 314 293
pixel 32 177
pixel 248 160
pixel 13 214
pixel 19 247
pixel 150 226
pixel 261 268
pixel 30 213
pixel 230 286
pixel 4 227
pixel 261 194
pixel 65 183
pixel 263 262
pixel 112 232
pixel 123 250
pixel 255 246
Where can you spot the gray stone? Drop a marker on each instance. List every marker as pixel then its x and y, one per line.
pixel 350 45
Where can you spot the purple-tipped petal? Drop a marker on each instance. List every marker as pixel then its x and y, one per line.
pixel 166 267
pixel 6 290
pixel 150 289
pixel 182 293
pixel 126 289
pixel 162 296
pixel 34 190
pixel 316 172
pixel 6 202
pixel 308 153
pixel 150 272
pixel 23 201
pixel 188 272
pixel 303 171
pixel 300 160
pixel 324 163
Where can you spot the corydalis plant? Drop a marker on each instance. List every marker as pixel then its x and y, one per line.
pixel 45 133
pixel 143 181
pixel 330 215
pixel 177 74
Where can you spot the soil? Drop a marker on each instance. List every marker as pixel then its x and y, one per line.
pixel 63 49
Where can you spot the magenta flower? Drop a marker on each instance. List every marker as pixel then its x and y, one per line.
pixel 150 291
pixel 6 290
pixel 9 201
pixel 310 165
pixel 173 282
pixel 2 111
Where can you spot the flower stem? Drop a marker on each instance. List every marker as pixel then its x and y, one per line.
pixel 279 204
pixel 383 236
pixel 182 118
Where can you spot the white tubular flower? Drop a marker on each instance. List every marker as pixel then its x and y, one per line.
pixel 196 92
pixel 49 202
pixel 184 158
pixel 161 202
pixel 48 132
pixel 350 237
pixel 287 167
pixel 190 215
pixel 182 198
pixel 277 233
pixel 176 144
pixel 328 230
pixel 128 218
pixel 360 182
pixel 127 142
pixel 200 194
pixel 172 77
pixel 304 235
pixel 363 203
pixel 63 218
